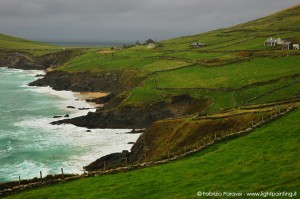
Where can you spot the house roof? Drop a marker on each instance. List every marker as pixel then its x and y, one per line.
pixel 272 40
pixel 287 43
pixel 197 44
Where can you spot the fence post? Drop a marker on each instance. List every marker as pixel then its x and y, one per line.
pixel 215 136
pixel 83 171
pixel 184 150
pixel 19 180
pixel 126 161
pixel 169 155
pixel 41 175
pixel 104 165
pixel 62 173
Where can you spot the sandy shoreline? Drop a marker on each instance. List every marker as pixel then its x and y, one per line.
pixel 90 96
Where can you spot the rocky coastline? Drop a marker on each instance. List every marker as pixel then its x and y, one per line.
pixel 110 115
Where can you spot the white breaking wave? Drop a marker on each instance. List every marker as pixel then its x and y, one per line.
pixel 57 146
pixel 26 169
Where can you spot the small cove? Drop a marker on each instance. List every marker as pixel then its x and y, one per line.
pixel 29 144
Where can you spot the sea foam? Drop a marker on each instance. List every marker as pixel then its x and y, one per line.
pixel 39 146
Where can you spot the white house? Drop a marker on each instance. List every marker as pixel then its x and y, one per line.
pixel 197 45
pixel 280 41
pixel 151 45
pixel 273 42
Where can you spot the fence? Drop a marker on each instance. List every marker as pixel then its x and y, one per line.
pixel 15 187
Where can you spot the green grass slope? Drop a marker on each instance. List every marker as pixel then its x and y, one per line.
pixel 234 58
pixel 10 42
pixel 265 160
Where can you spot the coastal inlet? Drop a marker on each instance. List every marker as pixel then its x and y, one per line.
pixel 29 143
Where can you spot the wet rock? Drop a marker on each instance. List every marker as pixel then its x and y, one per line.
pixel 71 107
pixel 84 108
pixel 134 131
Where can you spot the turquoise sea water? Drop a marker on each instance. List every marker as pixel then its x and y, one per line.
pixel 29 144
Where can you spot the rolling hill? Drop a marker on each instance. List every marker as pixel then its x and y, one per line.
pixel 10 42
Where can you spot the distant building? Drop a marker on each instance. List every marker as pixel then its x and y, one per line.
pixel 273 42
pixel 151 45
pixel 197 45
pixel 280 41
pixel 287 45
pixel 295 46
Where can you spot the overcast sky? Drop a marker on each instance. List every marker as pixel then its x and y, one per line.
pixel 123 20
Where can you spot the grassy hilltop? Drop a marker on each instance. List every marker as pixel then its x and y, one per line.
pixel 10 42
pixel 234 69
pixel 241 80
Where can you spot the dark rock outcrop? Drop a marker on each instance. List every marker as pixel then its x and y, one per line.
pixel 26 61
pixel 71 107
pixel 109 161
pixel 138 117
pixel 125 117
pixel 19 60
pixel 82 82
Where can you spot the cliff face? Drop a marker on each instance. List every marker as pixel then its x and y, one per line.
pixel 25 61
pixel 19 60
pixel 111 82
pixel 139 116
pixel 79 82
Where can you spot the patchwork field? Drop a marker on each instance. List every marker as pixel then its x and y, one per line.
pixel 234 74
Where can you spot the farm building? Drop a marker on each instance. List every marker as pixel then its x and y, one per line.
pixel 151 45
pixel 287 45
pixel 273 42
pixel 197 45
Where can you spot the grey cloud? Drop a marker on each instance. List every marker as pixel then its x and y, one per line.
pixel 126 19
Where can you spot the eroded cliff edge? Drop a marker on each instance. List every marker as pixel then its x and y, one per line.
pixel 24 60
pixel 113 114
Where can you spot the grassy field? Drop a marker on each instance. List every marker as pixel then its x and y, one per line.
pixel 234 57
pixel 265 160
pixel 256 70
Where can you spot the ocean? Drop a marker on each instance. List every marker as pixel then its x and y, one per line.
pixel 89 44
pixel 30 144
